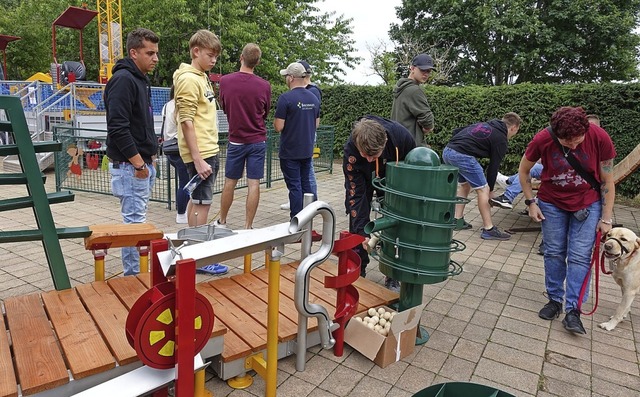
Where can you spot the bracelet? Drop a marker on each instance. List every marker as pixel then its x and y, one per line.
pixel 141 168
pixel 606 222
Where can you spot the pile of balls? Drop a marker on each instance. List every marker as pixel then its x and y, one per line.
pixel 378 320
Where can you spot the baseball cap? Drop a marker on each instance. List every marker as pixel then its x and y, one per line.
pixel 422 62
pixel 294 69
pixel 307 67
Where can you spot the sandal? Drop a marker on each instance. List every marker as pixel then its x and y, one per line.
pixel 216 269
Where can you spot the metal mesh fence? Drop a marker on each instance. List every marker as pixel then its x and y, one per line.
pixel 89 171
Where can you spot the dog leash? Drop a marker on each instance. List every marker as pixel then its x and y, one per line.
pixel 595 257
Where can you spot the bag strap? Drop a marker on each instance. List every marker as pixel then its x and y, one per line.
pixel 575 163
pixel 164 117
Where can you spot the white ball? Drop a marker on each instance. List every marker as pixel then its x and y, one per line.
pixel 387 326
pixel 384 332
pixel 382 322
pixel 381 311
pixel 358 319
pixel 375 319
pixel 370 325
pixel 386 315
pixel 366 319
pixel 377 327
pixel 372 312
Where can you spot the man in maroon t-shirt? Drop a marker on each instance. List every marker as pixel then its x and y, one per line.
pixel 246 100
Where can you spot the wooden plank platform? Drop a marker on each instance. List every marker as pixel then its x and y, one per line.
pixel 39 362
pixel 8 383
pixel 85 351
pixel 82 330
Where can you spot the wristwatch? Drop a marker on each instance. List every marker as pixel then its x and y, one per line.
pixel 528 202
pixel 141 168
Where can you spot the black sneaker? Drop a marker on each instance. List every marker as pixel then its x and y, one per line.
pixel 502 202
pixel 461 224
pixel 572 322
pixel 551 310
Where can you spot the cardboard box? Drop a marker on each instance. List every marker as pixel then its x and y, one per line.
pixel 385 350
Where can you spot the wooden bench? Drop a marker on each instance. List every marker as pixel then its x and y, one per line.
pixel 120 235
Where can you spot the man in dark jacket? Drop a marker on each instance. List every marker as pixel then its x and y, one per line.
pixel 481 140
pixel 373 141
pixel 410 105
pixel 131 141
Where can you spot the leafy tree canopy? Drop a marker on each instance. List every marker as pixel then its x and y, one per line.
pixel 285 30
pixel 515 41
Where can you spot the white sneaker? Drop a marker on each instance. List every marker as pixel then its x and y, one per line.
pixel 285 207
pixel 220 225
pixel 501 180
pixel 181 218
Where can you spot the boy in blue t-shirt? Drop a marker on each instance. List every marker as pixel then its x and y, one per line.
pixel 297 117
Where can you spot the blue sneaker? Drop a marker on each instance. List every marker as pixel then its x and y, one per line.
pixel 494 234
pixel 216 269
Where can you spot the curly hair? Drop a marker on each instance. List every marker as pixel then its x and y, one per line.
pixel 569 122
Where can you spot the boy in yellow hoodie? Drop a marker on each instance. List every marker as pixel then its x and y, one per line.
pixel 197 121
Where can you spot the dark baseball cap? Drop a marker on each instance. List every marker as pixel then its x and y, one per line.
pixel 307 67
pixel 423 62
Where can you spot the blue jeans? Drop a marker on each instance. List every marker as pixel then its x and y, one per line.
pixel 134 196
pixel 182 197
pixel 296 176
pixel 469 169
pixel 312 180
pixel 514 188
pixel 568 243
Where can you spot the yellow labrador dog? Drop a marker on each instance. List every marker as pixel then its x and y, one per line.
pixel 622 251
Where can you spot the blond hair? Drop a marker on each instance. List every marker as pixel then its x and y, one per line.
pixel 205 39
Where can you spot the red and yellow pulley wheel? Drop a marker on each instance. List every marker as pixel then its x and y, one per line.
pixel 151 325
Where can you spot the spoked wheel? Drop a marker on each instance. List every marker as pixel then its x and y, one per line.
pixel 151 325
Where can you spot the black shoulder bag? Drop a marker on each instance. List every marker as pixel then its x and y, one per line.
pixel 575 163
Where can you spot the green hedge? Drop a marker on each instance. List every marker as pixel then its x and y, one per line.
pixel 618 106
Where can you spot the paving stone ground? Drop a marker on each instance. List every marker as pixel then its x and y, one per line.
pixel 483 323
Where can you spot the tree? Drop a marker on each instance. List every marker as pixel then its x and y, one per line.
pixel 286 30
pixel 390 65
pixel 383 62
pixel 543 41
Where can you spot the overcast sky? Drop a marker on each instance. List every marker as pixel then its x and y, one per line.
pixel 371 20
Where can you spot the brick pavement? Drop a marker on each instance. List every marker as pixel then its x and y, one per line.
pixel 483 324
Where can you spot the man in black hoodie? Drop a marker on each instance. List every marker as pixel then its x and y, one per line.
pixel 468 144
pixel 131 140
pixel 373 141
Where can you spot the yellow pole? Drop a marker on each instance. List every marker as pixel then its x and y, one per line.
pixel 247 263
pixel 99 267
pixel 273 309
pixel 198 385
pixel 144 259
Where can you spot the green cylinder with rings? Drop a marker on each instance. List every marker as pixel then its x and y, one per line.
pixel 416 227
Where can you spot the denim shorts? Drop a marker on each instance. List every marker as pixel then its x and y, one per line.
pixel 469 169
pixel 203 194
pixel 251 154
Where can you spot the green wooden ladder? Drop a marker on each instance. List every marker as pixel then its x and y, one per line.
pixel 38 198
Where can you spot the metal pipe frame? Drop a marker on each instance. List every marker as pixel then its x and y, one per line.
pixel 301 292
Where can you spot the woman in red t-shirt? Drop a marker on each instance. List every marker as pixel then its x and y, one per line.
pixel 569 209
